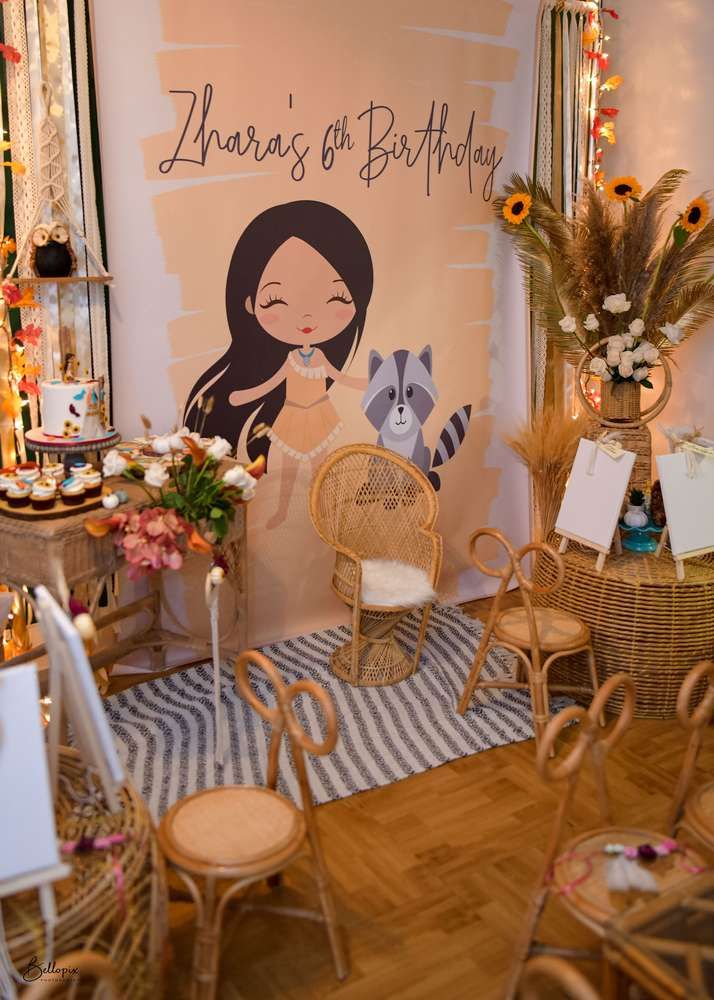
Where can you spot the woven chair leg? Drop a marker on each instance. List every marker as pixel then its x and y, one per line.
pixel 592 666
pixel 206 949
pixel 539 704
pixel 477 667
pixel 525 943
pixel 422 635
pixel 329 913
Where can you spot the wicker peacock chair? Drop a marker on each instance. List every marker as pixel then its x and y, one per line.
pixel 377 510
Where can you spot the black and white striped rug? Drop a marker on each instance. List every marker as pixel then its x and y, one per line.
pixel 165 728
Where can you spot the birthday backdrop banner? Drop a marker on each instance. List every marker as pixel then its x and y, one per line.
pixel 299 215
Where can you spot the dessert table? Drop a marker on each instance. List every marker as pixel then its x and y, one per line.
pixel 61 554
pixel 643 620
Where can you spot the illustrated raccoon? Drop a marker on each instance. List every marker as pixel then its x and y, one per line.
pixel 399 399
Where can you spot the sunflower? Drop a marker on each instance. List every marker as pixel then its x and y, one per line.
pixel 517 207
pixel 695 215
pixel 623 188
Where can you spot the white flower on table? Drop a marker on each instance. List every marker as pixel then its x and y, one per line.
pixel 625 370
pixel 156 475
pixel 637 327
pixel 598 366
pixel 237 476
pixel 651 354
pixel 113 464
pixel 591 323
pixel 641 373
pixel 219 448
pixel 161 444
pixel 616 304
pixel 568 324
pixel 673 332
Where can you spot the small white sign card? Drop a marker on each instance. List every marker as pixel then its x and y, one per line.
pixel 593 497
pixel 687 480
pixel 73 689
pixel 29 852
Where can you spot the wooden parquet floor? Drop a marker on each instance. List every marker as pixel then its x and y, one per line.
pixel 432 877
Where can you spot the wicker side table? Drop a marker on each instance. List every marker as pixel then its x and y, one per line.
pixel 128 925
pixel 642 619
pixel 60 552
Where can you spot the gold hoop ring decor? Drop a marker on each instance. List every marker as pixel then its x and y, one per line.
pixel 649 414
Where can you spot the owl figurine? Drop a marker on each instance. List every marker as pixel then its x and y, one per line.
pixel 52 255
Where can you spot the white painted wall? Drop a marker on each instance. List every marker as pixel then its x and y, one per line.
pixel 663 49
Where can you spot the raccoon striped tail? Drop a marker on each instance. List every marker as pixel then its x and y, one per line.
pixel 452 436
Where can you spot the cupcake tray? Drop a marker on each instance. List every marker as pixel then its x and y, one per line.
pixel 60 509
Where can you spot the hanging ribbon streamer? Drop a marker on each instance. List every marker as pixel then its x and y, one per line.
pixel 693 453
pixel 214 579
pixel 609 444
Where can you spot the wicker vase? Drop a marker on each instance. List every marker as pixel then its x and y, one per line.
pixel 620 401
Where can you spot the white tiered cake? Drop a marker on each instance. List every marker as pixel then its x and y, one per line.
pixel 73 409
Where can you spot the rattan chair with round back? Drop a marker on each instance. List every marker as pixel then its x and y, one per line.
pixel 575 871
pixel 377 511
pixel 693 809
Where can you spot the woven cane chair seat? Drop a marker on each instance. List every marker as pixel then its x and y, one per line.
pixel 234 827
pixel 590 899
pixel 557 630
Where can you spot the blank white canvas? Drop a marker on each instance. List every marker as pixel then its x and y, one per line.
pixel 28 838
pixel 72 686
pixel 592 503
pixel 688 502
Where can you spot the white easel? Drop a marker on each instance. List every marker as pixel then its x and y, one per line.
pixel 73 689
pixel 687 480
pixel 593 497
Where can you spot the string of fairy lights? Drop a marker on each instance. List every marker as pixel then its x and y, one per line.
pixel 602 113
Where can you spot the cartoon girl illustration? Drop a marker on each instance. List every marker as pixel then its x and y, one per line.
pixel 297 292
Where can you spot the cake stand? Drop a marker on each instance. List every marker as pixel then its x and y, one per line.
pixel 640 539
pixel 47 444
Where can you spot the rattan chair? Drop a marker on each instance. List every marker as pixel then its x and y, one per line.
pixel 377 510
pixel 694 812
pixel 243 834
pixel 576 872
pixel 538 636
pixel 547 970
pixel 89 964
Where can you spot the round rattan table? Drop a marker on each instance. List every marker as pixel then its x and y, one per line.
pixel 642 619
pixel 113 902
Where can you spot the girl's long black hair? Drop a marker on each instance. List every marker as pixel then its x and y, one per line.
pixel 254 355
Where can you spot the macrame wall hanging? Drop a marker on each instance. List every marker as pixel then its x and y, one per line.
pixel 55 213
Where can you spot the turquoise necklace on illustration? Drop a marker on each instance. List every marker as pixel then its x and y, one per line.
pixel 306 356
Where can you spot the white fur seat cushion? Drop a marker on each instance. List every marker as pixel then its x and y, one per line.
pixel 392 584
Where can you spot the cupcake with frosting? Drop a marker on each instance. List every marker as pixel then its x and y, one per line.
pixel 56 471
pixel 79 468
pixel 7 476
pixel 43 493
pixel 18 493
pixel 92 480
pixel 72 491
pixel 29 471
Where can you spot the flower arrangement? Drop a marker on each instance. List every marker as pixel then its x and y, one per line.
pixel 192 501
pixel 606 274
